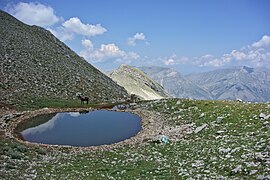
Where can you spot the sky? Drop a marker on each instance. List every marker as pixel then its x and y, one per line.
pixel 187 35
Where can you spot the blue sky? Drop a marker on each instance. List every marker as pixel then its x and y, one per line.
pixel 189 35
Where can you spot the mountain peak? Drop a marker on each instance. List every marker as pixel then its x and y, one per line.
pixel 137 82
pixel 246 69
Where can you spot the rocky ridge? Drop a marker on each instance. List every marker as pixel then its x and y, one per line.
pixel 137 82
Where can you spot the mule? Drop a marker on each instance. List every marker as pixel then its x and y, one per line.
pixel 84 99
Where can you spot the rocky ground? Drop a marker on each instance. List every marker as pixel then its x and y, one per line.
pixel 208 139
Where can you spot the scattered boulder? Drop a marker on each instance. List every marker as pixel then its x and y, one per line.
pixel 237 169
pixel 263 116
pixel 267 117
pixel 253 172
pixel 200 128
pixel 266 123
pixel 219 119
pixel 263 177
pixel 202 115
pixel 239 100
pixel 224 151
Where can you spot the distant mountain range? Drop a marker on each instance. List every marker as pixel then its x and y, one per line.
pixel 248 84
pixel 137 82
pixel 176 84
pixel 36 65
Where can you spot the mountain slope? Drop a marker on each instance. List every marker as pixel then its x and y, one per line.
pixel 176 84
pixel 248 84
pixel 137 82
pixel 35 64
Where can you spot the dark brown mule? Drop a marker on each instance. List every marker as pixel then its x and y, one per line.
pixel 84 99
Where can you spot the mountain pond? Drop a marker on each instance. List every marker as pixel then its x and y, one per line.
pixel 83 129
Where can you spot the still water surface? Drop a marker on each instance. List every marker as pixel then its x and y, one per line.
pixel 83 129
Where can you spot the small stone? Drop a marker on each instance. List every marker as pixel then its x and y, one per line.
pixel 262 115
pixel 200 128
pixel 202 115
pixel 253 172
pixel 220 132
pixel 266 123
pixel 237 169
pixel 267 117
pixel 224 151
pixel 239 100
pixel 221 178
pixel 263 177
pixel 243 156
pixel 219 119
pixel 251 164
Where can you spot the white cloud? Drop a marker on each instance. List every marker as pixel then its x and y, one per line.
pixel 264 42
pixel 61 33
pixel 169 62
pixel 75 25
pixel 255 55
pixel 88 49
pixel 137 37
pixel 34 13
pixel 213 62
pixel 259 58
pixel 237 55
pixel 87 44
pixel 106 52
pixel 173 59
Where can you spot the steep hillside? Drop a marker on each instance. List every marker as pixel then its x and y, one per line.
pixel 248 84
pixel 176 84
pixel 36 65
pixel 137 82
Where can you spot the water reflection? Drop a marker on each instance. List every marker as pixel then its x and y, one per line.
pixel 85 129
pixel 74 114
pixel 42 127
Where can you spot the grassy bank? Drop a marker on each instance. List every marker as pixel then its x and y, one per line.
pixel 236 145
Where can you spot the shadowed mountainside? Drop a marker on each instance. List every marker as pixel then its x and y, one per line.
pixel 36 65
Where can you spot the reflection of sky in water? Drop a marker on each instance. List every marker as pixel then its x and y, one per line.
pixel 74 114
pixel 42 127
pixel 93 128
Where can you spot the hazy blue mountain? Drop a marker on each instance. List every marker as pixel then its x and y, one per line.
pixel 248 84
pixel 175 83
